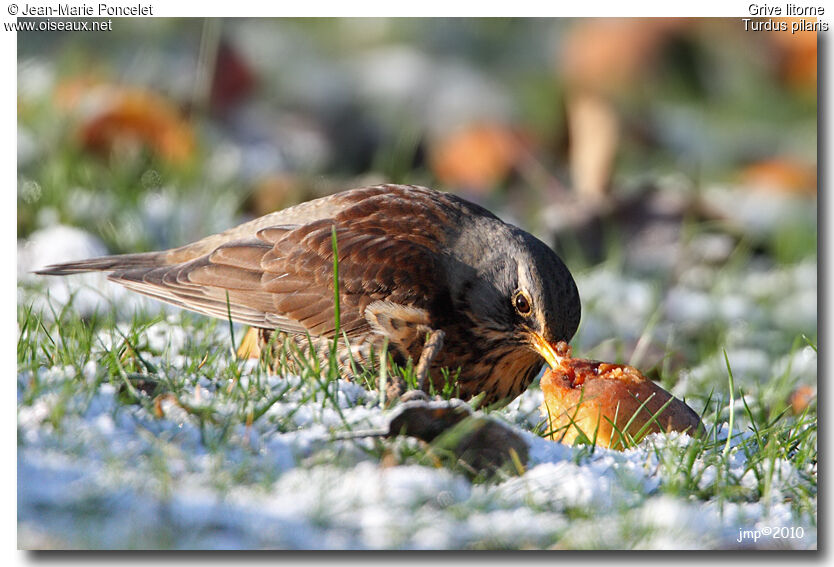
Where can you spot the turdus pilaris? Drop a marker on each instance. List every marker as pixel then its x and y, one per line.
pixel 447 283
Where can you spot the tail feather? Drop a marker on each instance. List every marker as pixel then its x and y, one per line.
pixel 106 264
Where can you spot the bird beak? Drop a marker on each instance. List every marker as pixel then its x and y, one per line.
pixel 547 351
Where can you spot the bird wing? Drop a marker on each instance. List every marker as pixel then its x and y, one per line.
pixel 297 215
pixel 283 278
pixel 277 271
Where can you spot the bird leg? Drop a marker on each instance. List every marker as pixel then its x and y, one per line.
pixel 250 346
pixel 433 344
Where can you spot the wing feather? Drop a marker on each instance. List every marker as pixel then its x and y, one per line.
pixel 277 271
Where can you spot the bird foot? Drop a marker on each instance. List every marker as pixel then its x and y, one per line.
pixel 414 395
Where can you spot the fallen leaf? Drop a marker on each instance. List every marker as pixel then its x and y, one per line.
pixel 781 175
pixel 461 438
pixel 477 157
pixel 801 398
pixel 604 54
pixel 796 53
pixel 113 117
pixel 427 420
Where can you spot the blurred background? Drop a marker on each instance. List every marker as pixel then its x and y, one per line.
pixel 672 163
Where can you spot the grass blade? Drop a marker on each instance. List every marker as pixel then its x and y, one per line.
pixel 732 403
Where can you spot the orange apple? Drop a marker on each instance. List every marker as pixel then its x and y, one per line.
pixel 608 402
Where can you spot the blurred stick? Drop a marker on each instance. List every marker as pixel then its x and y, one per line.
pixel 206 64
pixel 594 135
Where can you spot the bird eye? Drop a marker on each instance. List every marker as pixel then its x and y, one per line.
pixel 522 303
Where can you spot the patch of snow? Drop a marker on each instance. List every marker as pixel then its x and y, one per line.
pixel 88 292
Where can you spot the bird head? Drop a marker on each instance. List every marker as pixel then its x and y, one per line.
pixel 545 301
pixel 523 296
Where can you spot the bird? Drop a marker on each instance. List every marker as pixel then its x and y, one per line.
pixel 431 277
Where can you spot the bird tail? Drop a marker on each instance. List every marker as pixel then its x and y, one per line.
pixel 105 264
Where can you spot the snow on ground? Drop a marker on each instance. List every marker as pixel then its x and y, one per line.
pixel 116 476
pixel 89 292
